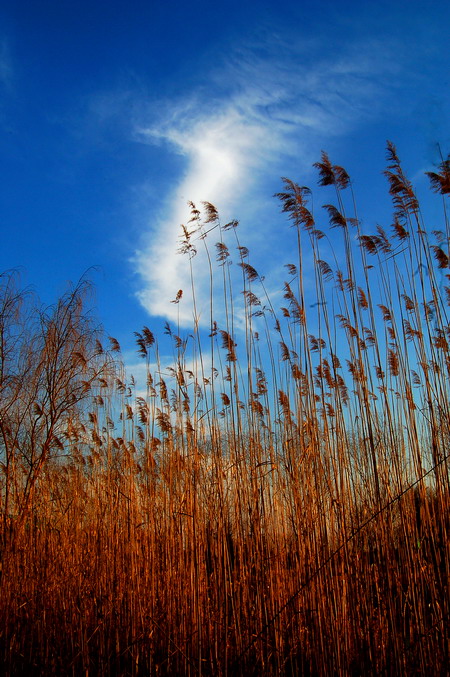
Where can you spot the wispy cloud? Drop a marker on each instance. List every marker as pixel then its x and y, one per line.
pixel 266 110
pixel 223 151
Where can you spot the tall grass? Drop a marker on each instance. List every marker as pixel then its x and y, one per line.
pixel 277 501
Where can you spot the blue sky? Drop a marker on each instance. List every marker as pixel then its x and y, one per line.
pixel 113 115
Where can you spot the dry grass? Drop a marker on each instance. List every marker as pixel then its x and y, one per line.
pixel 278 505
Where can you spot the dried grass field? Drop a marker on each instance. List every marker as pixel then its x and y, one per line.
pixel 274 502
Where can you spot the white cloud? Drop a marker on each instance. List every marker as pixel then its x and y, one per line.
pixel 221 151
pixel 266 110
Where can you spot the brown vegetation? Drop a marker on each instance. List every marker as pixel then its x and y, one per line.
pixel 278 504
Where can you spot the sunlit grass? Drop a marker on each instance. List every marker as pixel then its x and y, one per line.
pixel 275 501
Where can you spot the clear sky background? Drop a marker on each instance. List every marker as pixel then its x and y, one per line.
pixel 114 114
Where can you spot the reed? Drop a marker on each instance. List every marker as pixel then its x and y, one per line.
pixel 277 501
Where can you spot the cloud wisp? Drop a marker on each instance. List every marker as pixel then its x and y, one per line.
pixel 267 110
pixel 222 152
